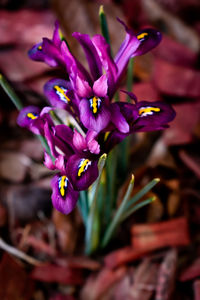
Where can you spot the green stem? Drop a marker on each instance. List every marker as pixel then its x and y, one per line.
pixel 92 234
pixel 10 92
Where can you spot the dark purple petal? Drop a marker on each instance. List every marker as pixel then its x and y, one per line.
pixel 118 119
pixel 94 114
pixel 107 61
pixel 46 52
pixel 91 54
pixel 64 197
pixel 82 88
pixel 59 93
pixel 128 110
pixel 63 138
pixel 82 172
pixel 113 139
pixel 149 38
pixel 100 86
pixel 153 116
pixel 131 95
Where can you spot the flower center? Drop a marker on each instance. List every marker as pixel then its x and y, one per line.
pixel 95 104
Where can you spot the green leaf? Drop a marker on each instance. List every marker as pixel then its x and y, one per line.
pixel 141 193
pixel 117 218
pixel 104 25
pixel 10 92
pixel 136 207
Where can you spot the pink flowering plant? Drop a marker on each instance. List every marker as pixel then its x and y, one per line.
pixel 77 149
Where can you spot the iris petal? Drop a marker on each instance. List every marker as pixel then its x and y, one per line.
pixel 64 197
pixel 82 171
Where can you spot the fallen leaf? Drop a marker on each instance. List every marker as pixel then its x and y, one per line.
pixel 166 276
pixel 148 237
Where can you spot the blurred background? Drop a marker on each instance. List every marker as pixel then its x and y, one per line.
pixel 171 72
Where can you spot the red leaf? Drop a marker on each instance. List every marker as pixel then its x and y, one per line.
pixel 55 273
pixel 166 276
pixel 197 289
pixel 149 237
pixel 192 271
pixel 122 256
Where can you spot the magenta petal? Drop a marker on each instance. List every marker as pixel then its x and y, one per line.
pixel 48 161
pixel 92 144
pixel 79 141
pixel 64 197
pixel 91 54
pixel 82 88
pixel 92 121
pixel 82 172
pixel 100 86
pixel 56 35
pixel 107 61
pixel 126 51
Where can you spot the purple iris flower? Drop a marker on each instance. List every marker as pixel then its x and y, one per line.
pixel 87 96
pixel 48 51
pixel 76 159
pixel 34 119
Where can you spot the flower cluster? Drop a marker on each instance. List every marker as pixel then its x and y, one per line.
pixel 87 97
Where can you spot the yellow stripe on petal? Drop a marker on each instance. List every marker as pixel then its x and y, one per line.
pixel 142 35
pixel 145 111
pixel 62 185
pixel 61 93
pixel 32 116
pixel 83 166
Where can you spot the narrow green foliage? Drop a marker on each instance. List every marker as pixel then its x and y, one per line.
pixel 117 218
pixel 104 25
pixel 136 207
pixel 10 92
pixel 141 193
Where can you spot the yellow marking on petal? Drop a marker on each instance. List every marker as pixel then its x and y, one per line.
pixel 94 104
pixel 106 135
pixel 83 166
pixel 62 185
pixel 40 47
pixel 62 92
pixel 31 116
pixel 148 110
pixel 142 35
